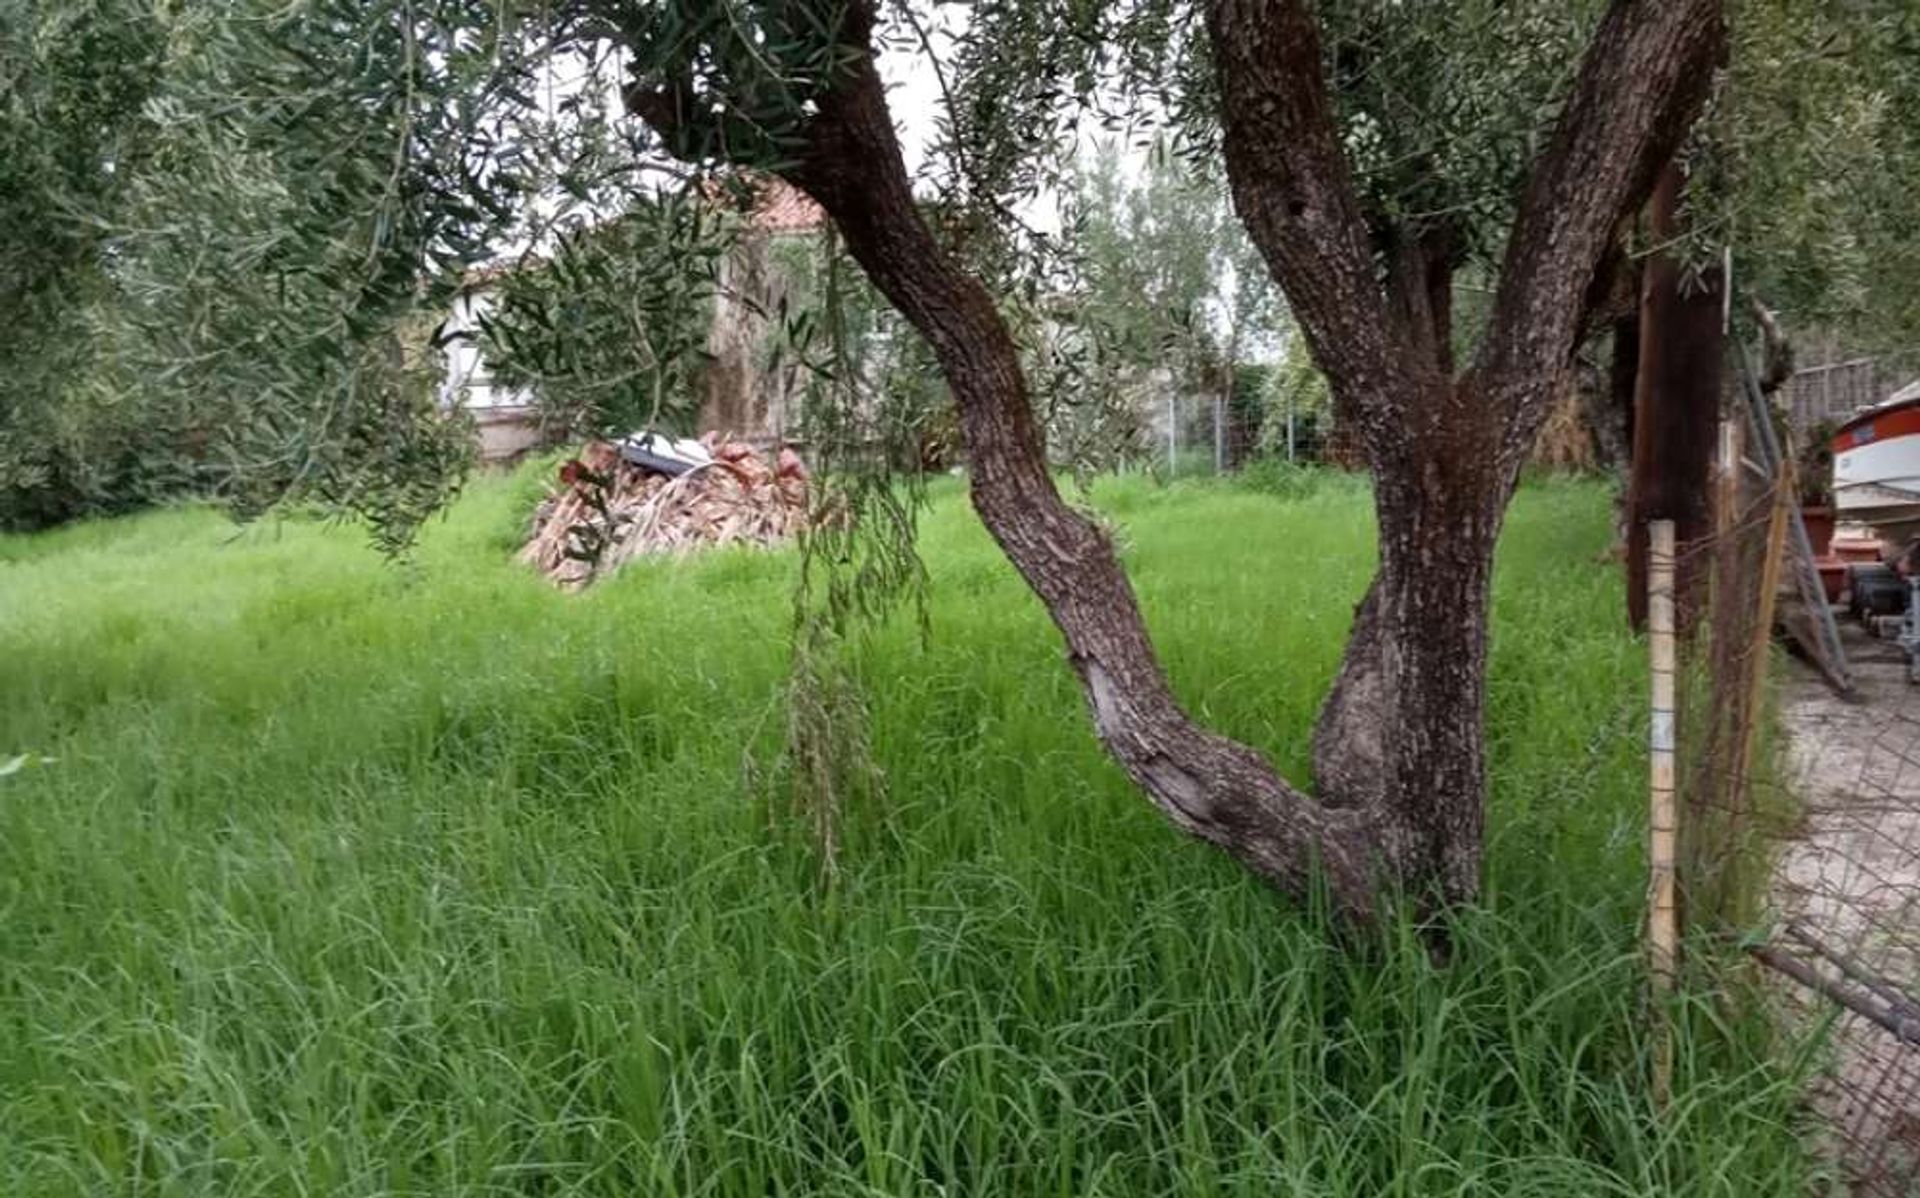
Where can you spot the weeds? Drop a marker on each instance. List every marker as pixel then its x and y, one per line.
pixel 342 881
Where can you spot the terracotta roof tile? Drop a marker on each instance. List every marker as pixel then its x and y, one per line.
pixel 784 208
pixel 779 207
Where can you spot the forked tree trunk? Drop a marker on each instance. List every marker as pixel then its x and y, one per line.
pixel 1401 733
pixel 1399 752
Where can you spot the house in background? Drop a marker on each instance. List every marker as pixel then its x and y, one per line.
pixel 743 396
pixel 507 419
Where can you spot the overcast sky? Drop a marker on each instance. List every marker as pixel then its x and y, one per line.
pixel 914 96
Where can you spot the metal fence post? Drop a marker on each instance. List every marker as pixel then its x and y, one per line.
pixel 1219 435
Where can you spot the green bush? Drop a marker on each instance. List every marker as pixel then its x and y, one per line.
pixel 1290 480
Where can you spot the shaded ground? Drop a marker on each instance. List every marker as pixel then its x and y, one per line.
pixel 1850 884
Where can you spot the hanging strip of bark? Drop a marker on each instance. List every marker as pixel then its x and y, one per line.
pixel 1676 409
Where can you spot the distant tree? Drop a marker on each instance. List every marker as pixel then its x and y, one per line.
pixel 73 80
pixel 1163 295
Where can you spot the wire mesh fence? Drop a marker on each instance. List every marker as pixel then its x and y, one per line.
pixel 1845 917
pixel 1195 435
pixel 1800 834
pixel 1833 391
pixel 1189 434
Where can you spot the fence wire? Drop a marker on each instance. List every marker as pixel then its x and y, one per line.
pixel 1800 835
pixel 1845 890
pixel 1194 435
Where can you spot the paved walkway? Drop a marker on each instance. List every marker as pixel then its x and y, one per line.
pixel 1850 881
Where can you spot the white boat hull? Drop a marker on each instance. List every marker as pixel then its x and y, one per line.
pixel 1876 471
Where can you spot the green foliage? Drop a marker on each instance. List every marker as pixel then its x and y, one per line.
pixel 1158 292
pixel 1810 155
pixel 310 166
pixel 73 79
pixel 1149 252
pixel 290 190
pixel 225 216
pixel 610 332
pixel 1443 109
pixel 741 76
pixel 1276 476
pixel 348 881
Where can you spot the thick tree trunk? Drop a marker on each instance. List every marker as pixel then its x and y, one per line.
pixel 1402 731
pixel 1676 411
pixel 736 401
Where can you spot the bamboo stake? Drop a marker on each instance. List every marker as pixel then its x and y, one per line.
pixel 1662 923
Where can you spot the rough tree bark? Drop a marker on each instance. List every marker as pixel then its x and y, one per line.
pixel 735 401
pixel 1398 753
pixel 1401 734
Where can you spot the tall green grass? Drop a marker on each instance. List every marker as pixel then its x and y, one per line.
pixel 362 880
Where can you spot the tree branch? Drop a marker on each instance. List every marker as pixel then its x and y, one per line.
pixel 848 159
pixel 1294 192
pixel 1641 83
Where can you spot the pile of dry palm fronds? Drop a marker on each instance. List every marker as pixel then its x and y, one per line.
pixel 608 509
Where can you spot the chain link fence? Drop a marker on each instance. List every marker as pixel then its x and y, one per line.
pixel 1201 435
pixel 1799 819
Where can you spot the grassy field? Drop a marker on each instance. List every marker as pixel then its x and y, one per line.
pixel 349 879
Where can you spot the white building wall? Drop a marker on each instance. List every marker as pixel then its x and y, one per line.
pixel 468 382
pixel 507 420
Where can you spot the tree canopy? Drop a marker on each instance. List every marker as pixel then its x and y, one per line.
pixel 282 187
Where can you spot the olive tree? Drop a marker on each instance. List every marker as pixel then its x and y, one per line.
pixel 1399 752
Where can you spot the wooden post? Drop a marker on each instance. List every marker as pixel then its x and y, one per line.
pixel 1762 637
pixel 1662 930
